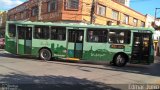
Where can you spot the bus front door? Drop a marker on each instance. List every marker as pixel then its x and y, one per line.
pixel 24 40
pixel 141 48
pixel 75 43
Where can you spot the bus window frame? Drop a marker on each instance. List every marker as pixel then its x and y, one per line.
pixel 96 29
pixel 56 33
pixel 39 26
pixel 21 29
pixel 24 26
pixel 129 30
pixel 8 32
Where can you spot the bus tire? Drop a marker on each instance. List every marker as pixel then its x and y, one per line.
pixel 45 54
pixel 120 60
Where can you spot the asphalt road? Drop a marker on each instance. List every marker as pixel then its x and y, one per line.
pixel 29 74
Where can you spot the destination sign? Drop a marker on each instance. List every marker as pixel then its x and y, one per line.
pixel 116 46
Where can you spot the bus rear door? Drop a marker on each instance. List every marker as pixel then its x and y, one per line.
pixel 75 43
pixel 24 40
pixel 141 50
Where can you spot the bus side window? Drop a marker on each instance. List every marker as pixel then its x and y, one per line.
pixel 80 38
pixel 41 32
pixel 137 41
pixel 99 36
pixel 90 36
pixel 12 30
pixel 21 32
pixel 58 33
pixel 28 33
pixel 37 34
pixel 119 36
pixel 112 37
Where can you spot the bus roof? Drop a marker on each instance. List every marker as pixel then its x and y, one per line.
pixel 79 25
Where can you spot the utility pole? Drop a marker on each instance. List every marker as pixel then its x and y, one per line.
pixel 92 11
pixel 39 10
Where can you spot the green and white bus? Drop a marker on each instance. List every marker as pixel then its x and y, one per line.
pixel 115 44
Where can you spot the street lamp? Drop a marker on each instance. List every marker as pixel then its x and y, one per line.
pixel 156 13
pixel 154 23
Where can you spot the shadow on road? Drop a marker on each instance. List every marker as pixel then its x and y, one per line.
pixel 27 82
pixel 8 55
pixel 152 70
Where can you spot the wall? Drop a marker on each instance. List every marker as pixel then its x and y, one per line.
pixel 149 20
pixel 110 5
pixel 80 15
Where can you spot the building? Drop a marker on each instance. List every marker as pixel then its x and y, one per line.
pixel 149 21
pixel 3 16
pixel 109 11
pixel 125 2
pixel 157 36
pixel 0 18
pixel 105 12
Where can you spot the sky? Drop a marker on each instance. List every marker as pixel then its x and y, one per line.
pixel 146 6
pixel 8 4
pixel 142 6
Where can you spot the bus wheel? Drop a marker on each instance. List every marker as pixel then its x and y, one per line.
pixel 45 54
pixel 120 60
